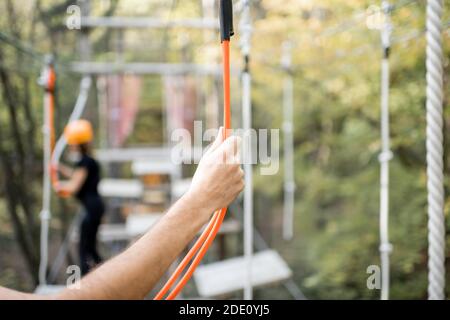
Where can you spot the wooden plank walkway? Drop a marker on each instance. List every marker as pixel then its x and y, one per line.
pixel 121 188
pixel 228 276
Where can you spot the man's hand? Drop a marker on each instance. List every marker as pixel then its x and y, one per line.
pixel 219 177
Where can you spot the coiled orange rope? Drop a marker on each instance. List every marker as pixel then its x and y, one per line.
pixel 207 237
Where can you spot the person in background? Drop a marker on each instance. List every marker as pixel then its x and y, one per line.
pixel 83 183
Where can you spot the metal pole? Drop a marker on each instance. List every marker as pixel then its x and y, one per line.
pixel 435 152
pixel 147 23
pixel 246 30
pixel 101 84
pixel 385 155
pixel 45 214
pixel 289 181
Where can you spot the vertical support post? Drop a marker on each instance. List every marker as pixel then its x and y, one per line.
pixel 288 113
pixel 435 152
pixel 386 154
pixel 119 45
pixel 246 30
pixel 102 111
pixel 84 46
pixel 47 81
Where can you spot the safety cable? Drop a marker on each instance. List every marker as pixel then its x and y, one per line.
pixel 37 56
pixel 47 80
pixel 385 155
pixel 358 51
pixel 52 152
pixel 221 215
pixel 61 144
pixel 209 234
pixel 245 27
pixel 22 47
pixel 200 255
pixel 176 274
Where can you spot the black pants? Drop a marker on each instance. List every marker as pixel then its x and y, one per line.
pixel 90 222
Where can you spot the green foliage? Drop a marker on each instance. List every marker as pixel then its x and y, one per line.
pixel 337 142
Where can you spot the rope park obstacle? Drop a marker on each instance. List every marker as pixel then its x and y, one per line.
pixel 212 230
pixel 204 241
pixel 52 153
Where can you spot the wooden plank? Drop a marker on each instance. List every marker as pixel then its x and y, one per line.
pixel 228 226
pixel 131 154
pixel 48 289
pixel 113 232
pixel 106 233
pixel 120 188
pixel 143 68
pixel 148 22
pixel 163 166
pixel 138 224
pixel 228 276
pixel 144 153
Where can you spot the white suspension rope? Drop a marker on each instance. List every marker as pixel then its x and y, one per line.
pixel 288 106
pixel 80 104
pixel 45 214
pixel 385 155
pixel 246 31
pixel 435 152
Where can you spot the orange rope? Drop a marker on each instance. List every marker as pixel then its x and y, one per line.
pixel 226 87
pixel 213 227
pixel 199 256
pixel 187 258
pixel 51 119
pixel 51 122
pixel 50 86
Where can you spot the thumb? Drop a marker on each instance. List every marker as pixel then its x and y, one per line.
pixel 217 142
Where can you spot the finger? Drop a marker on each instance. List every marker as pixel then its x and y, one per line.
pixel 230 159
pixel 241 173
pixel 229 150
pixel 217 142
pixel 232 145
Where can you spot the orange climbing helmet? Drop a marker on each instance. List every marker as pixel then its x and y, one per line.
pixel 78 132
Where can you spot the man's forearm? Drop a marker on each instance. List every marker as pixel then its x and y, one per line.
pixel 132 274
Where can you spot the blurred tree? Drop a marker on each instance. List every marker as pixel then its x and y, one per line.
pixel 18 138
pixel 27 30
pixel 337 142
